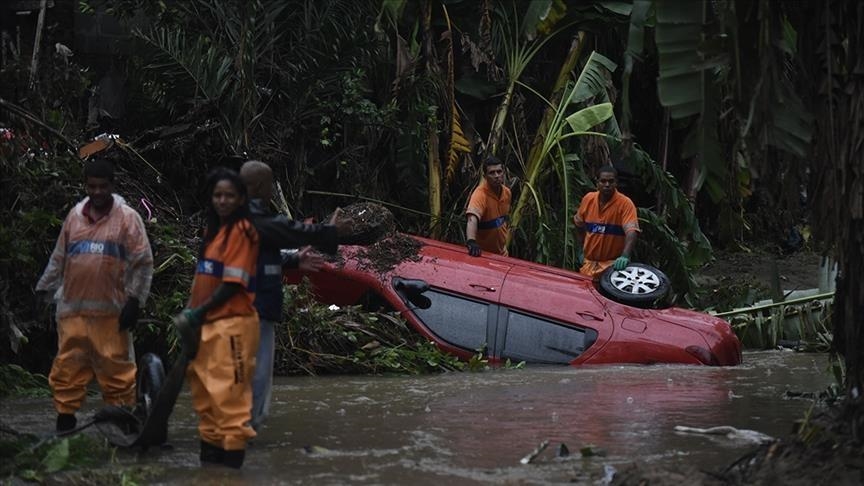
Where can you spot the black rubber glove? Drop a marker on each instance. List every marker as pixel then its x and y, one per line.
pixel 188 325
pixel 42 305
pixel 473 248
pixel 129 314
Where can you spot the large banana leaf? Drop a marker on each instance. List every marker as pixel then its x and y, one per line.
pixel 678 35
pixel 584 119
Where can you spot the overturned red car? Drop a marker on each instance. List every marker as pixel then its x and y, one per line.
pixel 514 309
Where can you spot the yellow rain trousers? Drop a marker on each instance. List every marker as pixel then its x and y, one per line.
pixel 220 379
pixel 595 268
pixel 88 347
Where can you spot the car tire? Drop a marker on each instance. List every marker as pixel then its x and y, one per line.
pixel 151 377
pixel 638 284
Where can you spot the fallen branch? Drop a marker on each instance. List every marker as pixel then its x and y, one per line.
pixel 31 118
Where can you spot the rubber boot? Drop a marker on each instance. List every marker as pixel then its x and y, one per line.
pixel 234 458
pixel 210 454
pixel 66 422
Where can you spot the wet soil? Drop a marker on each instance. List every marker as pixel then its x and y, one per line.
pixel 760 266
pixel 363 223
pixel 374 227
pixel 385 254
pixel 735 279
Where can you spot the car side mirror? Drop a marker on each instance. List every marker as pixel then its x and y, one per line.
pixel 420 301
pixel 411 290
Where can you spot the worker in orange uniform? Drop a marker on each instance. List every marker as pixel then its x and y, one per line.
pixel 223 323
pixel 606 225
pixel 488 212
pixel 99 275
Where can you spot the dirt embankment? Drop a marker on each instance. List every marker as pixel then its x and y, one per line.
pixel 794 271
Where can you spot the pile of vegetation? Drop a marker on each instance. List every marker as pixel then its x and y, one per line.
pixel 316 339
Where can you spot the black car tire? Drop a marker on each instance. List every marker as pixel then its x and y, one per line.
pixel 638 284
pixel 151 377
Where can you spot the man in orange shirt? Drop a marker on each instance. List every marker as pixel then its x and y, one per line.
pixel 488 212
pixel 606 225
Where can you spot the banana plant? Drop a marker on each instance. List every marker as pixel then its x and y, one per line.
pixel 518 47
pixel 566 123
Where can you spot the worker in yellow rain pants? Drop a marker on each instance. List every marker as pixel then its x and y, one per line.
pixel 220 380
pixel 219 328
pixel 91 347
pixel 99 275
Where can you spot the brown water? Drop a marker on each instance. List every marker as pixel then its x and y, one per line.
pixel 473 428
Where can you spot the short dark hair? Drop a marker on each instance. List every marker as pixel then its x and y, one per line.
pixel 607 168
pixel 99 167
pixel 490 161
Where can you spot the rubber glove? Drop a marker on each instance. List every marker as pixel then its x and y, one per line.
pixel 188 325
pixel 129 314
pixel 42 305
pixel 621 263
pixel 473 248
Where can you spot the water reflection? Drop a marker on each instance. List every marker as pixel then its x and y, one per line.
pixel 467 428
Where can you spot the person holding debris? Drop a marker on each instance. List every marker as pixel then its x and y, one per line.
pixel 488 212
pixel 99 275
pixel 607 226
pixel 276 232
pixel 219 328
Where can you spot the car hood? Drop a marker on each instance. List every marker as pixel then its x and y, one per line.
pixel 722 341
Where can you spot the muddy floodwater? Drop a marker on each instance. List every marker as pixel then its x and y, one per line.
pixel 475 428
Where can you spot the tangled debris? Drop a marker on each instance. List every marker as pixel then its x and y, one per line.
pixel 374 227
pixel 363 223
pixel 384 255
pixel 317 339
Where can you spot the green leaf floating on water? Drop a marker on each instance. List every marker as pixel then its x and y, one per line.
pixel 57 457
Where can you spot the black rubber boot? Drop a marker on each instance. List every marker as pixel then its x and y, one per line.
pixel 66 422
pixel 234 458
pixel 210 454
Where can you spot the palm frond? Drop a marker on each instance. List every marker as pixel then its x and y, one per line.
pixel 195 70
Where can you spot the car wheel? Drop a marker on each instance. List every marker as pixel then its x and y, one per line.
pixel 638 285
pixel 151 376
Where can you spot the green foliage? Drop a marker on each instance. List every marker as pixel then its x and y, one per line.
pixel 32 459
pixel 16 381
pixel 316 339
pixel 804 325
pixel 479 362
pixel 39 189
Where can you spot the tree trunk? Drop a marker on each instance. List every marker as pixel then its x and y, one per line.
pixel 433 157
pixel 40 23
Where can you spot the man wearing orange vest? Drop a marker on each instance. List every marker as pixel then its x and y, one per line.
pixel 488 212
pixel 606 226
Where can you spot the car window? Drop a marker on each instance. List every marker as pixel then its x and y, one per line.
pixel 459 321
pixel 537 340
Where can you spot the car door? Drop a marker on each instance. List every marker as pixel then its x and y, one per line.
pixel 549 316
pixel 464 294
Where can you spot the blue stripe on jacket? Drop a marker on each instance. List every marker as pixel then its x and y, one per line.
pixel 604 229
pixel 96 247
pixel 492 223
pixel 215 268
